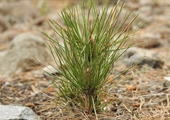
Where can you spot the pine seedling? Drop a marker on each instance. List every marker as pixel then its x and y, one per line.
pixel 92 41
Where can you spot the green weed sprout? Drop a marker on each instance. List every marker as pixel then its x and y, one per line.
pixel 92 41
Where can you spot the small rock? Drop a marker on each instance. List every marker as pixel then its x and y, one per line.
pixel 17 113
pixel 22 54
pixel 50 70
pixel 166 82
pixel 8 35
pixel 148 41
pixel 141 57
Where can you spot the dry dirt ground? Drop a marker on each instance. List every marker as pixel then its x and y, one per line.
pixel 142 95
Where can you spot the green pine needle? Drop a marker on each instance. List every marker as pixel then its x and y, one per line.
pixel 92 40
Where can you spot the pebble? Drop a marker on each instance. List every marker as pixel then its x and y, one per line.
pixel 166 82
pixel 50 70
pixel 22 54
pixel 17 113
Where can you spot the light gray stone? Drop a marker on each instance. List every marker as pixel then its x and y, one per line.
pixel 17 113
pixel 23 53
pixel 141 56
pixel 50 70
